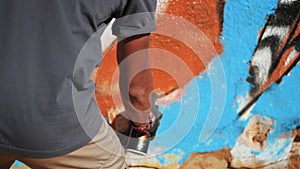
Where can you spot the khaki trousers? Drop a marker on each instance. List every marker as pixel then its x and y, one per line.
pixel 103 152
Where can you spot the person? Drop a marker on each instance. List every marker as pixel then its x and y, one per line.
pixel 48 51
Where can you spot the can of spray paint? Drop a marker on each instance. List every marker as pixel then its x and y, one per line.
pixel 138 142
pixel 139 138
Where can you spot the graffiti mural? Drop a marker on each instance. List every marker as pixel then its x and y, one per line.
pixel 278 49
pixel 250 77
pixel 207 18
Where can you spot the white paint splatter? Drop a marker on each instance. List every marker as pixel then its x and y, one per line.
pixel 162 5
pixel 287 1
pixel 107 38
pixel 278 31
pixel 262 60
pixel 272 151
pixel 291 57
pixel 244 102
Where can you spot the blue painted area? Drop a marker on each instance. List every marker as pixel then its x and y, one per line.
pixel 17 163
pixel 242 22
pixel 281 102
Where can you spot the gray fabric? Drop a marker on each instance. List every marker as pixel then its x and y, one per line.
pixel 135 17
pixel 143 23
pixel 40 42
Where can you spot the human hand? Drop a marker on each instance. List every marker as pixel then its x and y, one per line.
pixel 124 126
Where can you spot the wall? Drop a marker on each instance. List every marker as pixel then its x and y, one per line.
pixel 234 85
pixel 246 84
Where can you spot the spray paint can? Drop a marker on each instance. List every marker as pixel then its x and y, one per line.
pixel 138 142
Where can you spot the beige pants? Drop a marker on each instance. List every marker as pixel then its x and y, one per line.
pixel 104 151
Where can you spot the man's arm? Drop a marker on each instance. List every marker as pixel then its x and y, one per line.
pixel 136 82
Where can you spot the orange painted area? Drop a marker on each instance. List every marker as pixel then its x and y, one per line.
pixel 206 15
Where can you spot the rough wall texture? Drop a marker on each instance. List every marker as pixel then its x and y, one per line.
pixel 205 15
pixel 257 44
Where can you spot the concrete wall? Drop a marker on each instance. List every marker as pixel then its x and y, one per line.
pixel 245 97
pixel 229 73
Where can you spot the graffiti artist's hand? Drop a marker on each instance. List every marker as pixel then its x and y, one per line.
pixel 123 125
pixel 150 128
